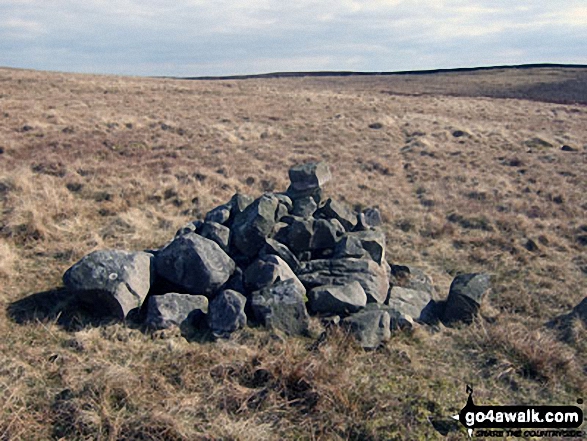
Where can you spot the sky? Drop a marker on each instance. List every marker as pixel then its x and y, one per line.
pixel 230 37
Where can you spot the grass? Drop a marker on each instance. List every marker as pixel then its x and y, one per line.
pixel 465 175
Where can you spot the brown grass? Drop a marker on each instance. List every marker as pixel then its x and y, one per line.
pixel 92 162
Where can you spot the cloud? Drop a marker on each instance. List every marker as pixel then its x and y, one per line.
pixel 201 37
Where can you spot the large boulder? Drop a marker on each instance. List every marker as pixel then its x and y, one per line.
pixel 219 215
pixel 465 297
pixel 337 299
pixel 111 282
pixel 194 263
pixel 372 277
pixel 251 227
pixel 371 327
pixel 266 271
pixel 299 234
pixel 281 306
pixel 227 313
pixel 172 309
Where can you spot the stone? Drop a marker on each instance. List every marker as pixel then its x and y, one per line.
pixel 216 232
pixel 327 232
pixel 398 321
pixel 411 277
pixel 465 297
pixel 281 306
pixel 339 211
pixel 280 232
pixel 191 227
pixel 300 234
pixel 268 270
pixel 337 299
pixel 373 217
pixel 236 281
pixel 238 203
pixel 372 277
pixel 309 176
pixel 251 227
pixel 368 243
pixel 285 200
pixel 112 282
pixel 227 313
pixel 370 327
pixel 219 215
pixel 172 309
pixel 408 301
pixel 281 212
pixel 304 207
pixel 273 247
pixel 196 264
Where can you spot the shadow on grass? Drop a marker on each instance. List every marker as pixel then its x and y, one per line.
pixel 62 307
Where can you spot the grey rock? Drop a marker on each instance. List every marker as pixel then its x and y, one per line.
pixel 304 207
pixel 251 227
pixel 227 313
pixel 285 200
pixel 280 232
pixel 194 263
pixel 369 243
pixel 372 277
pixel 373 217
pixel 238 203
pixel 339 211
pixel 281 212
pixel 337 299
pixel 216 232
pixel 111 281
pixel 191 227
pixel 411 277
pixel 281 306
pixel 172 309
pixel 236 281
pixel 273 247
pixel 219 215
pixel 408 301
pixel 300 234
pixel 399 321
pixel 465 296
pixel 326 233
pixel 370 327
pixel 309 176
pixel 268 270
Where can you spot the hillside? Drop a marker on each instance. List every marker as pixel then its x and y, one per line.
pixel 468 170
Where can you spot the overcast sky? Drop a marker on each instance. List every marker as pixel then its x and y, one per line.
pixel 224 37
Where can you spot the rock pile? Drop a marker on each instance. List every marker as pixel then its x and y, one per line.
pixel 273 261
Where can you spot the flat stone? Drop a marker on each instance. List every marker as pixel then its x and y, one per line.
pixel 337 299
pixel 372 277
pixel 194 263
pixel 172 309
pixel 112 282
pixel 408 301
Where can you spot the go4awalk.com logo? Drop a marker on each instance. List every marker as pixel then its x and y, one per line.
pixel 526 421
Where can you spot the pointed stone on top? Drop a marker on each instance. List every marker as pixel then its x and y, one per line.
pixel 309 176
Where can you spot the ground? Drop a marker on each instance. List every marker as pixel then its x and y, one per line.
pixel 468 170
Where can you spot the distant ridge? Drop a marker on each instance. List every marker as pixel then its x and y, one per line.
pixel 406 72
